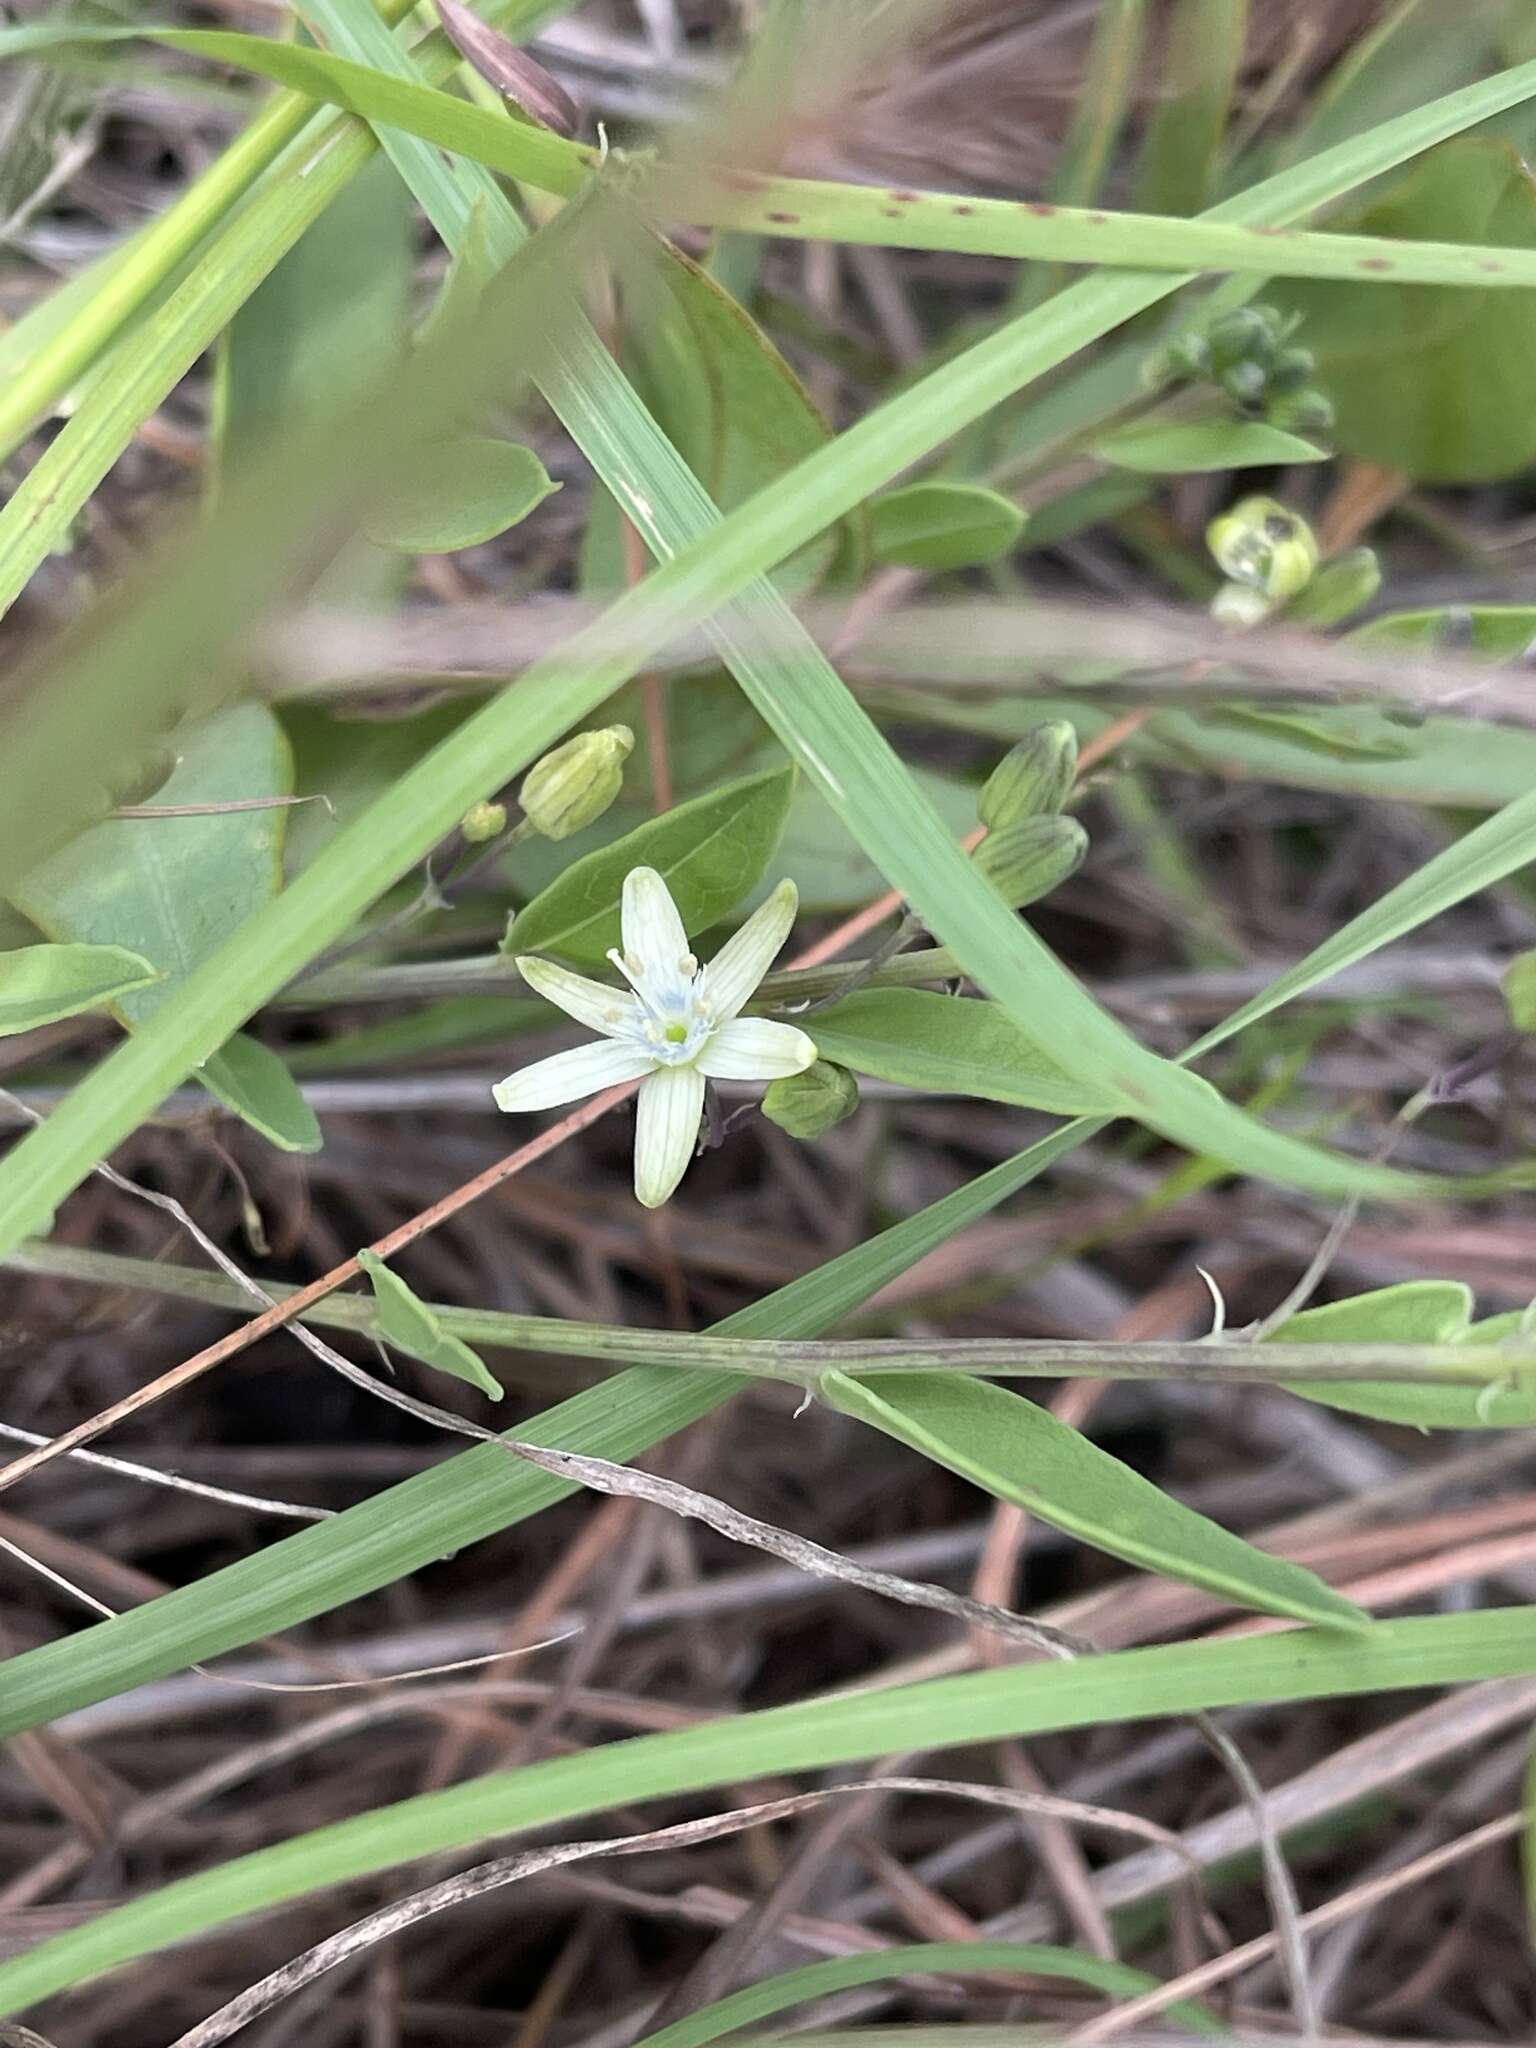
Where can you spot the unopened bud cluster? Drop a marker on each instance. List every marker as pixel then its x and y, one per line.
pixel 1248 354
pixel 1030 848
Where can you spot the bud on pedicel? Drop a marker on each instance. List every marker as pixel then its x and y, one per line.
pixel 1028 860
pixel 483 822
pixel 1033 780
pixel 1341 586
pixel 1263 546
pixel 572 787
pixel 809 1105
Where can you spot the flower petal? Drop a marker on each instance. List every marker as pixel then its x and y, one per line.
pixel 591 1003
pixel 655 944
pixel 568 1076
pixel 731 977
pixel 756 1049
pixel 666 1131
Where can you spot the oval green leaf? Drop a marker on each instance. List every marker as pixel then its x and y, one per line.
pixel 1018 1451
pixel 462 493
pixel 710 852
pixel 726 398
pixel 942 526
pixel 409 1324
pixel 173 890
pixel 249 1078
pixel 1413 1312
pixel 1204 445
pixel 947 1045
pixel 1428 379
pixel 43 984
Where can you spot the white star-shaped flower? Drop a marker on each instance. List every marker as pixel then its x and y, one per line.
pixel 676 1025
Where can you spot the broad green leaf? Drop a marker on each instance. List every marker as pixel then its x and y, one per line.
pixel 462 493
pixel 941 526
pixel 947 1045
pixel 1018 1451
pixel 1413 1312
pixel 726 399
pixel 771 1995
pixel 249 1078
pixel 407 1322
pixel 710 852
pixel 1435 382
pixel 42 984
pixel 173 890
pixel 1181 450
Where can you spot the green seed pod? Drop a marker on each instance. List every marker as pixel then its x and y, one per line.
pixel 1260 544
pixel 809 1105
pixel 1033 779
pixel 1028 860
pixel 572 787
pixel 482 822
pixel 1341 586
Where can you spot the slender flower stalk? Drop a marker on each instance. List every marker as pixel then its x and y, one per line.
pixel 677 1025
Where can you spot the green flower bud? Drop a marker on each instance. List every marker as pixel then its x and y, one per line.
pixel 1246 383
pixel 1260 544
pixel 1341 586
pixel 1028 860
pixel 809 1105
pixel 1291 369
pixel 1187 355
pixel 1303 412
pixel 572 787
pixel 482 822
pixel 1248 333
pixel 1034 779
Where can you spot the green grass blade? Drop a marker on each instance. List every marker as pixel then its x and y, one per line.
pixel 814 209
pixel 991 1706
pixel 792 1987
